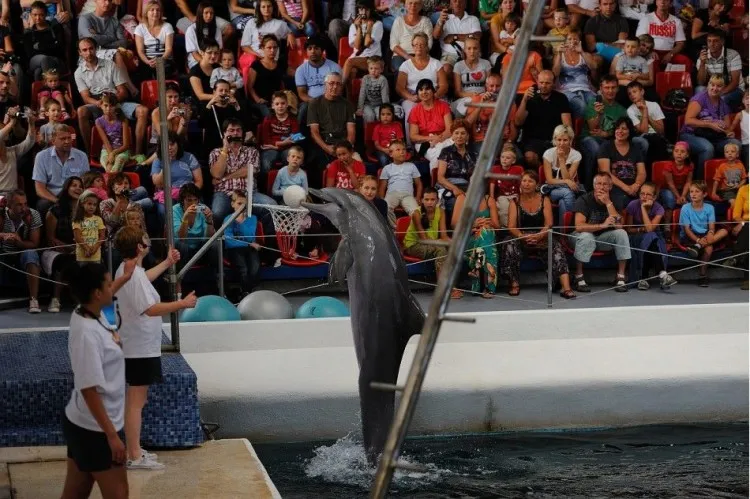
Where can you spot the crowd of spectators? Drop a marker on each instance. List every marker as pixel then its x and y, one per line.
pixel 323 94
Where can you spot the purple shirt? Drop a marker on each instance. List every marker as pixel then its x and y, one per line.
pixel 634 210
pixel 113 131
pixel 709 110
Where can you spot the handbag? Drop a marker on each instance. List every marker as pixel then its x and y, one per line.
pixel 709 134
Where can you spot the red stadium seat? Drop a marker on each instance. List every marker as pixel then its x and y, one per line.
pixel 95 148
pixel 657 173
pixel 669 80
pixel 297 56
pixel 270 180
pixel 345 50
pixel 402 225
pixel 150 93
pixel 709 170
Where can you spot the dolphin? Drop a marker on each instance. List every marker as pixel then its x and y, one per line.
pixel 384 313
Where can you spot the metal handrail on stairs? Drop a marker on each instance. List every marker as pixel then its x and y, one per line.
pixel 437 312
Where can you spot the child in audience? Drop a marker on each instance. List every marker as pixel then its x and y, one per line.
pixel 509 32
pixel 53 111
pixel 642 217
pixel 646 50
pixel 227 72
pixel 241 248
pixel 114 132
pixel 502 191
pixel 344 172
pixel 279 130
pixel 562 28
pixel 428 223
pixel 369 189
pixel 648 121
pixel 89 231
pixel 678 175
pixel 698 229
pixel 374 90
pixel 729 177
pixel 291 174
pixel 94 182
pixel 385 132
pixel 135 217
pixel 742 119
pixel 399 179
pixel 52 90
pixel 631 67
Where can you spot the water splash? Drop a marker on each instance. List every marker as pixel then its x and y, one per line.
pixel 345 462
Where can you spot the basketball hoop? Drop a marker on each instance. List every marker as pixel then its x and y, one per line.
pixel 287 222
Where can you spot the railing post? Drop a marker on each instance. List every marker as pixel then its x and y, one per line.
pixel 549 268
pixel 220 253
pixel 110 261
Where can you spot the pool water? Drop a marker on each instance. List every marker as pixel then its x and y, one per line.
pixel 697 460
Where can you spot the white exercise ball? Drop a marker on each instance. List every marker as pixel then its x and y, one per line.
pixel 294 195
pixel 265 305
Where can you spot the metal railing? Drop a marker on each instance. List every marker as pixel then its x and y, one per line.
pixel 437 311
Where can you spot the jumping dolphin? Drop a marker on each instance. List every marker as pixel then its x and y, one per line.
pixel 384 314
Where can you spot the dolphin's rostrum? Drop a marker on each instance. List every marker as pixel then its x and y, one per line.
pixel 384 314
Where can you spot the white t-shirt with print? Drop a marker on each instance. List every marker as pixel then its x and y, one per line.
pixel 654 112
pixel 666 33
pixel 140 333
pixel 97 361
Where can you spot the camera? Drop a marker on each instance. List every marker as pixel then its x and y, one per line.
pixel 19 115
pixel 235 139
pixel 180 112
pixel 224 99
pixel 126 192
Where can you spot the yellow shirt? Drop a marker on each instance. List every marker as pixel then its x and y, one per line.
pixel 89 228
pixel 557 32
pixel 741 209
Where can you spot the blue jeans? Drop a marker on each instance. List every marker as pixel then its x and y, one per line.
pixel 261 109
pixel 247 263
pixel 578 101
pixel 140 197
pixel 383 158
pixel 388 22
pixel 309 30
pixel 667 199
pixel 302 114
pixel 564 197
pixel 396 62
pixel 29 257
pixel 590 147
pixel 269 156
pixel 703 149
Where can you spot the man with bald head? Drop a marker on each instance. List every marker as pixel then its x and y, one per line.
pixel 540 110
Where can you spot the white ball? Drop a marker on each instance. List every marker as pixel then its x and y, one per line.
pixel 294 195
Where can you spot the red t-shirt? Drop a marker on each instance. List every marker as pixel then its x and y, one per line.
pixel 383 135
pixel 430 120
pixel 338 173
pixel 679 176
pixel 508 187
pixel 274 130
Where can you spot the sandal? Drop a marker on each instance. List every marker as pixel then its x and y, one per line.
pixel 621 285
pixel 515 289
pixel 457 294
pixel 568 294
pixel 487 295
pixel 580 285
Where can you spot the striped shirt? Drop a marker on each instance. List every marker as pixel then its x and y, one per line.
pixel 20 228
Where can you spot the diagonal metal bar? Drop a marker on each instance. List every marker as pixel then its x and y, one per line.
pixel 477 189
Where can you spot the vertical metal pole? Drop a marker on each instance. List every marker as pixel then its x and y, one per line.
pixel 220 254
pixel 110 261
pixel 164 144
pixel 549 268
pixel 453 262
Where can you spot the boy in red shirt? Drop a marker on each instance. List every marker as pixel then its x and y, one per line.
pixel 344 172
pixel 502 191
pixel 277 131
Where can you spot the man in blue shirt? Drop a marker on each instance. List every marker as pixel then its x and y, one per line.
pixel 54 165
pixel 310 76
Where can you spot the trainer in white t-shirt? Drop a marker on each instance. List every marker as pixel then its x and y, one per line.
pixel 97 361
pixel 654 113
pixel 140 333
pixel 666 33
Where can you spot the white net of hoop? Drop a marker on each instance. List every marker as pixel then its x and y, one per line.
pixel 288 222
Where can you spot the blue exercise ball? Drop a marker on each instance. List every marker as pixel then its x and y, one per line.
pixel 211 308
pixel 322 306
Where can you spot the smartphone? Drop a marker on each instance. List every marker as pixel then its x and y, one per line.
pixel 598 98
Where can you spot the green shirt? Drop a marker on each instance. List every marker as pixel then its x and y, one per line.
pixel 612 113
pixel 433 231
pixel 489 6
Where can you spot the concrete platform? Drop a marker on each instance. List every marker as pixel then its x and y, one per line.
pixel 221 468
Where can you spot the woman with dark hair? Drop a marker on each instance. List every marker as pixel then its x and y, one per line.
pixel 267 21
pixel 455 165
pixel 199 33
pixel 58 227
pixel 529 221
pixel 120 197
pixel 44 42
pixel 429 122
pixel 184 168
pixel 264 75
pixel 200 74
pixel 624 162
pixel 193 224
pixel 96 410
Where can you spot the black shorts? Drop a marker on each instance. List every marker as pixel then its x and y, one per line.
pixel 537 146
pixel 143 371
pixel 89 449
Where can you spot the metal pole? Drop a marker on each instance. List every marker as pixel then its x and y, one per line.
pixel 549 268
pixel 220 255
pixel 453 262
pixel 164 144
pixel 110 261
pixel 202 250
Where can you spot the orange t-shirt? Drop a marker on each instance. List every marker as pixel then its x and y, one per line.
pixel 533 61
pixel 729 176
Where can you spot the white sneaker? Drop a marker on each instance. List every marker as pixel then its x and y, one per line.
pixel 667 281
pixel 144 463
pixel 148 455
pixel 34 306
pixel 54 306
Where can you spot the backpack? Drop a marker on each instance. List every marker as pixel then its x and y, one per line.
pixel 676 100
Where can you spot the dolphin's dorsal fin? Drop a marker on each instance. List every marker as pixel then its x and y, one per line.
pixel 340 263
